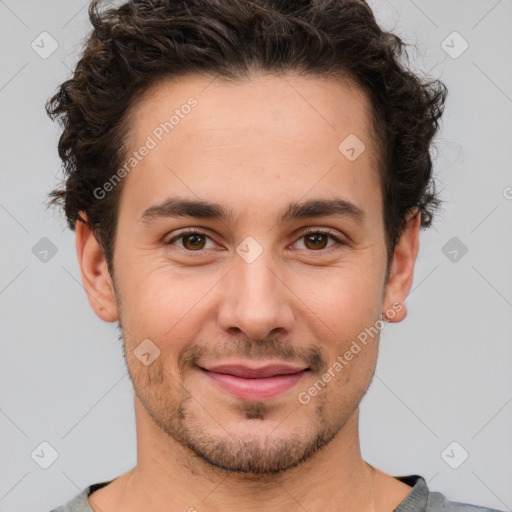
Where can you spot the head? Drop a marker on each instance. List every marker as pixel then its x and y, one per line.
pixel 260 121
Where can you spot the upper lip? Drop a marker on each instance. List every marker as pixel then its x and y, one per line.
pixel 250 372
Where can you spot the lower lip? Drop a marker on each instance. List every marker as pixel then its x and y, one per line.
pixel 256 389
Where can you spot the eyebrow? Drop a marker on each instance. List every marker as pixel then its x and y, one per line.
pixel 180 207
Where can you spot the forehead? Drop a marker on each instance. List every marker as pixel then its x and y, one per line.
pixel 299 106
pixel 210 137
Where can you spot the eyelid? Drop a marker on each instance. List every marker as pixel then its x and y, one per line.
pixel 324 231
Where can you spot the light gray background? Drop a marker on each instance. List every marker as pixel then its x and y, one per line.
pixel 443 374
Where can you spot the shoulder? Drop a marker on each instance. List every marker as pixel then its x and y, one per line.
pixel 80 503
pixel 421 498
pixel 437 501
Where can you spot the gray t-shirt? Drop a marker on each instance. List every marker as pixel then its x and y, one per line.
pixel 420 499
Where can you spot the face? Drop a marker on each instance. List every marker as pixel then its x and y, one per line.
pixel 242 319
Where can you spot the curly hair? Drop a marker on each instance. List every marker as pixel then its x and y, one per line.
pixel 134 46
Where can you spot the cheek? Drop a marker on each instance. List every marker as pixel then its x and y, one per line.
pixel 162 304
pixel 342 312
pixel 345 298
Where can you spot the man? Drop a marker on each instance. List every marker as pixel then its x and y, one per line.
pixel 247 181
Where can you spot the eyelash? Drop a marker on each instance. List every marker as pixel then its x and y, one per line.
pixel 316 231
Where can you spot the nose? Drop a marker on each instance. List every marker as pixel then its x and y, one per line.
pixel 256 299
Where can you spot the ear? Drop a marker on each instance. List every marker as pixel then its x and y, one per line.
pixel 95 275
pixel 402 269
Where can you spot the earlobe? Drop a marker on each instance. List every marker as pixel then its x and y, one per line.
pixel 402 269
pixel 94 272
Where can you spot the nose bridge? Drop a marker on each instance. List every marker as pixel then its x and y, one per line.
pixel 257 279
pixel 256 300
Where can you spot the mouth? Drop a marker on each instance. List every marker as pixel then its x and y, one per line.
pixel 255 383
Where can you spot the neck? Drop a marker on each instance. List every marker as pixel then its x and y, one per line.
pixel 170 477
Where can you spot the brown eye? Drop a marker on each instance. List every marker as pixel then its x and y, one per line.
pixel 316 241
pixel 193 241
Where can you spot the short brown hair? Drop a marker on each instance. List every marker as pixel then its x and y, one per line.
pixel 135 45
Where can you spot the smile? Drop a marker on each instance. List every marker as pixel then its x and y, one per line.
pixel 255 384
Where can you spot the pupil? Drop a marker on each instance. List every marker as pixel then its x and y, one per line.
pixel 196 239
pixel 315 241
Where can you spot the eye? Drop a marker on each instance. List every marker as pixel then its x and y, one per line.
pixel 314 240
pixel 317 239
pixel 191 240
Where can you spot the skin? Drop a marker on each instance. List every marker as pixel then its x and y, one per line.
pixel 254 147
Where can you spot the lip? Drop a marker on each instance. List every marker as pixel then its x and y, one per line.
pixel 256 384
